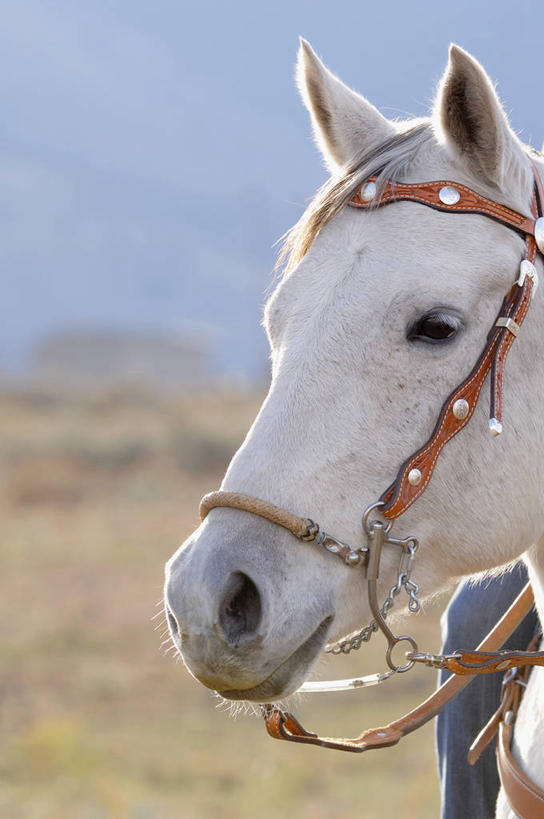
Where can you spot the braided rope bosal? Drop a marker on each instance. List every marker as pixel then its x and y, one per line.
pixel 414 477
pixel 302 528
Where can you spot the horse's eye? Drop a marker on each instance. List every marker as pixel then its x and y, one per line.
pixel 435 326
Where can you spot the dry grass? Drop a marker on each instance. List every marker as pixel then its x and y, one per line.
pixel 96 722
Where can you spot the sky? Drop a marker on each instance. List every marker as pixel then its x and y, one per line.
pixel 152 153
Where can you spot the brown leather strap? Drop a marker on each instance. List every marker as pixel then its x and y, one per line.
pixel 402 494
pixel 497 367
pixel 282 725
pixel 525 797
pixel 488 662
pixel 428 193
pixel 503 347
pixel 486 735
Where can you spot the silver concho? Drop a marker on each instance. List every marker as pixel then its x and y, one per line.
pixel 460 409
pixel 539 233
pixel 368 191
pixel 414 477
pixel 449 195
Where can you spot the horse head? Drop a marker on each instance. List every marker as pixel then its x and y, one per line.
pixel 380 313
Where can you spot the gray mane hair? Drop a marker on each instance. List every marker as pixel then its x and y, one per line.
pixel 385 161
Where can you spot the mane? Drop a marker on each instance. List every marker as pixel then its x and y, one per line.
pixel 384 161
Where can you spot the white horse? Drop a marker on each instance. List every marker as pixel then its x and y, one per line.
pixel 379 315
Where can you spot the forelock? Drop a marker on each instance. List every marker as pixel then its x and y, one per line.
pixel 386 161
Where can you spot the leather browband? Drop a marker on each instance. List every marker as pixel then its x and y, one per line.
pixel 428 193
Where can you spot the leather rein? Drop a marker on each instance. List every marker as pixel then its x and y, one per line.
pixel 412 479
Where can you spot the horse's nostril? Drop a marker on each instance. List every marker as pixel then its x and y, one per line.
pixel 240 610
pixel 172 622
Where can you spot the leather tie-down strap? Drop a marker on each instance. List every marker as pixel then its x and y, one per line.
pixel 403 492
pixel 282 725
pixel 488 662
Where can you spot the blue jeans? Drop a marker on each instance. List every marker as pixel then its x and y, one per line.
pixel 468 790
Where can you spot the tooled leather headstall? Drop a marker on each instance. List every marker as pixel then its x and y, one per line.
pixel 416 472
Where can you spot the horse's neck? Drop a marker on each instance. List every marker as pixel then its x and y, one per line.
pixel 535 565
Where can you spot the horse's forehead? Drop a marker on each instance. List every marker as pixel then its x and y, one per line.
pixel 404 246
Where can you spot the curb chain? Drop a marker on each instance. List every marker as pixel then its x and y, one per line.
pixel 355 640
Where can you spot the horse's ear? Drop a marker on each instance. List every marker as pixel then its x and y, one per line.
pixel 344 123
pixel 469 115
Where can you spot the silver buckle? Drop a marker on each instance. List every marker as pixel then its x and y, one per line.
pixel 509 323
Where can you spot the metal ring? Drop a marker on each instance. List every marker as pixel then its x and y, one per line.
pixel 367 525
pixel 400 669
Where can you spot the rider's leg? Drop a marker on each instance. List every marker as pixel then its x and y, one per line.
pixel 468 790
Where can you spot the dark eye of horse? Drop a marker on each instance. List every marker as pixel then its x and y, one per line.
pixel 435 326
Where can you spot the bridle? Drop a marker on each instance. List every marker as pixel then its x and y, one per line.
pixel 412 479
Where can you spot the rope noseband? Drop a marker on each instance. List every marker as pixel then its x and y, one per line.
pixel 302 528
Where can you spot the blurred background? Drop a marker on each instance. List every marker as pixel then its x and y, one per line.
pixel 151 154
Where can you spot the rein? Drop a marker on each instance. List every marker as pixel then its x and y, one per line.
pixel 412 479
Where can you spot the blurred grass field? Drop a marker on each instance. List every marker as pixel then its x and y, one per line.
pixel 96 721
